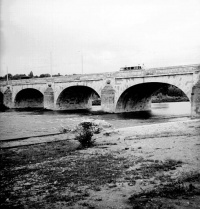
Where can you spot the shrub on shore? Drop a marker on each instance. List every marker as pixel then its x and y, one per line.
pixel 85 135
pixel 85 131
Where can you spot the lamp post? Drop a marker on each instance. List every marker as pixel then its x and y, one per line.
pixel 7 74
pixel 51 63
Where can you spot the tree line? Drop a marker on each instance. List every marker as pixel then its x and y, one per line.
pixel 24 76
pixel 170 90
pixel 169 93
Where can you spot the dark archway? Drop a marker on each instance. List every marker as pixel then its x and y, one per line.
pixel 2 106
pixel 139 97
pixel 29 98
pixel 1 98
pixel 76 97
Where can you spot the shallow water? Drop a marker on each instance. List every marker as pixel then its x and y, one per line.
pixel 17 124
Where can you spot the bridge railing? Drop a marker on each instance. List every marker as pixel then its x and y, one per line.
pixel 25 81
pixel 158 71
pixel 169 70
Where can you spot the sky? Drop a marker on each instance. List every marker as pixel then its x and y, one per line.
pixel 95 36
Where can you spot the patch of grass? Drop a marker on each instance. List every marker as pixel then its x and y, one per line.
pixel 148 169
pixel 51 173
pixel 35 153
pixel 160 197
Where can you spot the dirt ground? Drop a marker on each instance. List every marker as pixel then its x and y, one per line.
pixel 150 166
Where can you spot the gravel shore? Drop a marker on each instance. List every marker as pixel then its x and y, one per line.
pixel 131 167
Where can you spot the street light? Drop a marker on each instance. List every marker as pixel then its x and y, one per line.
pixel 7 74
pixel 51 62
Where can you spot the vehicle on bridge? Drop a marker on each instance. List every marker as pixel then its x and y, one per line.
pixel 131 68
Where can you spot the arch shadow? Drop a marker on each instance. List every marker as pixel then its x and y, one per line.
pixel 2 106
pixel 1 98
pixel 139 97
pixel 29 98
pixel 76 98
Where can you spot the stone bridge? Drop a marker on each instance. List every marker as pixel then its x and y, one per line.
pixel 121 91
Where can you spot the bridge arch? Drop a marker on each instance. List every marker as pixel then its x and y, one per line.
pixel 1 99
pixel 29 98
pixel 76 97
pixel 138 97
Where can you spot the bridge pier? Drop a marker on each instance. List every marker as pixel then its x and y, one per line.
pixel 7 98
pixel 195 101
pixel 108 98
pixel 49 98
pixel 134 105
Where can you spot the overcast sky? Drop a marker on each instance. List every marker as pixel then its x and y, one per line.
pixel 106 34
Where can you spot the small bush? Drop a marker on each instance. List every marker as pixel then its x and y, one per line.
pixel 64 130
pixel 85 135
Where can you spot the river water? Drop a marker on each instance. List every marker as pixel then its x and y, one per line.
pixel 16 124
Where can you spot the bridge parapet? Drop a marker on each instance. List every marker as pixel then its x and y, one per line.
pixel 172 70
pixel 26 81
pixel 159 71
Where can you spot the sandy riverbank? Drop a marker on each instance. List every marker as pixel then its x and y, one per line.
pixel 124 163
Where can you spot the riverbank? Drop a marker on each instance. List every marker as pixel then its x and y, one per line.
pixel 165 98
pixel 157 99
pixel 127 168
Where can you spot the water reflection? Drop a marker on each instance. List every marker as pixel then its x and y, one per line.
pixel 175 109
pixel 160 105
pixel 135 115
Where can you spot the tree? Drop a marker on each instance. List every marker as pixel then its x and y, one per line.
pixel 18 76
pixel 9 76
pixel 45 75
pixel 31 74
pixel 57 75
